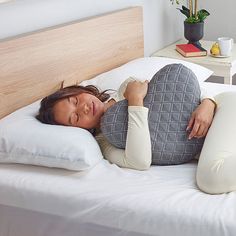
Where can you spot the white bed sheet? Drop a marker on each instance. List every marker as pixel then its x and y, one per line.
pixel 108 200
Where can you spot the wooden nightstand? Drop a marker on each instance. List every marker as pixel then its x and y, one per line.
pixel 225 67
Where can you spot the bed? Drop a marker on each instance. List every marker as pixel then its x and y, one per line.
pixel 106 199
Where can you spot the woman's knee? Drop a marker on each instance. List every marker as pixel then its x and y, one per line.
pixel 216 176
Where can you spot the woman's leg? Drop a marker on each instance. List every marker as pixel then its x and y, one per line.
pixel 216 172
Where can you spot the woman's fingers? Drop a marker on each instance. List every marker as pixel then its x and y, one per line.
pixel 201 119
pixel 190 123
pixel 205 132
pixel 135 92
pixel 194 130
pixel 199 130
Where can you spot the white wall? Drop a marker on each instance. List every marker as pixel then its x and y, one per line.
pixel 222 21
pixel 162 22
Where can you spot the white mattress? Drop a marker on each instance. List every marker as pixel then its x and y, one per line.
pixel 108 200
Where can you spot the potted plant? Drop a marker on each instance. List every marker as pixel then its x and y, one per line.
pixel 194 22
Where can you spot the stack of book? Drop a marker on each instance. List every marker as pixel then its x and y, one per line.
pixel 191 50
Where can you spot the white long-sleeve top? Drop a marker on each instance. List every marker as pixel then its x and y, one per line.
pixel 137 153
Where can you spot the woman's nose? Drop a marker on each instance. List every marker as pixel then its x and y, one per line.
pixel 86 109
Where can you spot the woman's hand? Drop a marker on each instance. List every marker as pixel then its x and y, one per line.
pixel 135 92
pixel 201 119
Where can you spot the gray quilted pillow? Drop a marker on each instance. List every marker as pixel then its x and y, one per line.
pixel 173 94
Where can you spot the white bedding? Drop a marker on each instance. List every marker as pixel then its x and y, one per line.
pixel 108 200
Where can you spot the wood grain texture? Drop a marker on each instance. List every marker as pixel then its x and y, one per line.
pixel 33 66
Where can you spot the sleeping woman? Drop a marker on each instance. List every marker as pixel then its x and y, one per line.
pixel 84 107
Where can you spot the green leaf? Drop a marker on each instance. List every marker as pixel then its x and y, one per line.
pixel 203 14
pixel 203 11
pixel 186 13
pixel 192 20
pixel 176 1
pixel 185 8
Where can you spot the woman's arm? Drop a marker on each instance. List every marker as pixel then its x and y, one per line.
pixel 137 153
pixel 202 116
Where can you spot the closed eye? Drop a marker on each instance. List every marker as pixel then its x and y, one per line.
pixel 74 119
pixel 76 100
pixel 73 99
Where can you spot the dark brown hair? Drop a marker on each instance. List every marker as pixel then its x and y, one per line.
pixel 47 104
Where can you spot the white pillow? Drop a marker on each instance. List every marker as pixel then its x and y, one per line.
pixel 23 139
pixel 142 69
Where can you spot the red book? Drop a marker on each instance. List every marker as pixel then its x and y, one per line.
pixel 190 50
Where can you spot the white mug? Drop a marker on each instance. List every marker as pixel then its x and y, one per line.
pixel 226 45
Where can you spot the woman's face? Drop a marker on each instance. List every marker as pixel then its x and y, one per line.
pixel 83 110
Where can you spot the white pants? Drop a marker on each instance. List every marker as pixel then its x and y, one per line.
pixel 217 175
pixel 216 172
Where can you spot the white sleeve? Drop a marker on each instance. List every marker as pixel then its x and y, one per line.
pixel 137 154
pixel 206 94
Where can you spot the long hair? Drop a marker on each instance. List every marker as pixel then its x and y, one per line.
pixel 46 115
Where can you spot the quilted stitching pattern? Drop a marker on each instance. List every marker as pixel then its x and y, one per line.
pixel 173 94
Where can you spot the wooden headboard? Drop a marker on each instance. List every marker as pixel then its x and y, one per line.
pixel 34 65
